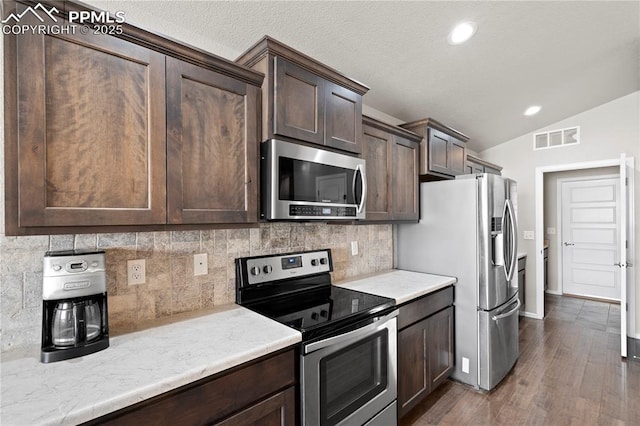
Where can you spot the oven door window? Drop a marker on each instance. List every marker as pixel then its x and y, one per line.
pixel 314 182
pixel 352 376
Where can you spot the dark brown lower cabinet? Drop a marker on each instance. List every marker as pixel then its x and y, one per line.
pixel 261 392
pixel 425 347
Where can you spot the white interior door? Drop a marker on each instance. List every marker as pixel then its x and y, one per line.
pixel 591 238
pixel 626 249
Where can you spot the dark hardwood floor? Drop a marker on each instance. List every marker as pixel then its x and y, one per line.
pixel 569 373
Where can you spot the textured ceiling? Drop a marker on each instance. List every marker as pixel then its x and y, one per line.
pixel 565 56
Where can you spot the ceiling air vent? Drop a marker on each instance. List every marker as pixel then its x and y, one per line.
pixel 556 138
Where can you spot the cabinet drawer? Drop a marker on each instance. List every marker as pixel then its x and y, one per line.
pixel 211 400
pixel 428 305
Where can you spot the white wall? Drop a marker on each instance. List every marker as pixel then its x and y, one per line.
pixel 605 132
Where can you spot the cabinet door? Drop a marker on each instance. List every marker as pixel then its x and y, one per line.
pixel 457 156
pixel 343 118
pixel 278 410
pixel 440 347
pixel 404 172
pixel 473 168
pixel 91 131
pixel 298 103
pixel 438 152
pixel 413 367
pixel 212 146
pixel 375 151
pixel 522 276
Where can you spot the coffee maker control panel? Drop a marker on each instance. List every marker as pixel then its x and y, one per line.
pixel 73 273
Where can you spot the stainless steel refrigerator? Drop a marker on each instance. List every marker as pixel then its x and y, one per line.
pixel 468 230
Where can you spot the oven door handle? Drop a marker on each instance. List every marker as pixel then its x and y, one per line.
pixel 359 333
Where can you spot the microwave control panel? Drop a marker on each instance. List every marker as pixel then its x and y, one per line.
pixel 320 211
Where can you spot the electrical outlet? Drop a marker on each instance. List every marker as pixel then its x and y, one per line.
pixel 354 248
pixel 136 273
pixel 528 235
pixel 551 231
pixel 200 264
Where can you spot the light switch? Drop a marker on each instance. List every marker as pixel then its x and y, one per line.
pixel 465 365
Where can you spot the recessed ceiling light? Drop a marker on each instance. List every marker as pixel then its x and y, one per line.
pixel 462 32
pixel 533 110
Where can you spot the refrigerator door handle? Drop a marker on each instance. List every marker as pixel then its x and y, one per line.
pixel 507 314
pixel 505 242
pixel 513 245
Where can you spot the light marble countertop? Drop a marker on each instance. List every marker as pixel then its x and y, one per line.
pixel 400 285
pixel 135 367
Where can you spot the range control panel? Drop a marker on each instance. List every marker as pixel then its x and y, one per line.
pixel 263 269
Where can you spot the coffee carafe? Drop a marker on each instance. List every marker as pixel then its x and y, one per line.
pixel 74 312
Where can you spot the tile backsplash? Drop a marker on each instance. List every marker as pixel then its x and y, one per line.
pixel 170 287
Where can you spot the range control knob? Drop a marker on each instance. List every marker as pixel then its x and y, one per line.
pixel 255 270
pixel 323 260
pixel 324 313
pixel 267 269
pixel 315 316
pixel 314 262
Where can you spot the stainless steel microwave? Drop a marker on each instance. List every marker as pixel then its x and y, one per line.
pixel 299 182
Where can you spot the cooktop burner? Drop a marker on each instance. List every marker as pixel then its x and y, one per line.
pixel 295 289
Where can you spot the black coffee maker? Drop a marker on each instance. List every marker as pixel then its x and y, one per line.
pixel 74 307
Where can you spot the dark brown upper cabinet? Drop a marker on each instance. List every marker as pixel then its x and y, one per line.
pixel 478 165
pixel 392 155
pixel 442 149
pixel 107 132
pixel 91 131
pixel 212 147
pixel 304 100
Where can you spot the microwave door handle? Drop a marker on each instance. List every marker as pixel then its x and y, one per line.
pixel 363 176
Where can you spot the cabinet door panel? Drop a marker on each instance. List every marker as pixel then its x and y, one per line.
pixel 212 146
pixel 457 157
pixel 343 118
pixel 91 134
pixel 438 152
pixel 298 103
pixel 405 179
pixel 413 381
pixel 440 348
pixel 375 151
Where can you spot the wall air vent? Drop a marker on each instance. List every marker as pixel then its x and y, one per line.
pixel 556 138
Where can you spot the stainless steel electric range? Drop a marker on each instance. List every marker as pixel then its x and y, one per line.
pixel 348 354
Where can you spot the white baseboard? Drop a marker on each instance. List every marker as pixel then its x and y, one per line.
pixel 554 292
pixel 530 315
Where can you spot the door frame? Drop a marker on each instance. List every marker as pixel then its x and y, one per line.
pixel 559 250
pixel 539 234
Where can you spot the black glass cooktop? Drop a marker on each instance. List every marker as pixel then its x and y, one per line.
pixel 323 310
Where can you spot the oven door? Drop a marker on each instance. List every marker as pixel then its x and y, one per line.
pixel 351 377
pixel 301 182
